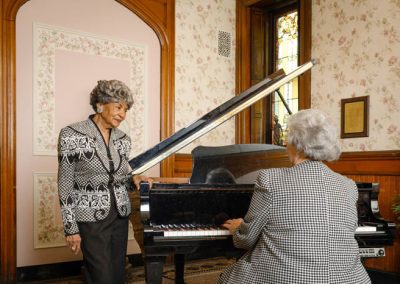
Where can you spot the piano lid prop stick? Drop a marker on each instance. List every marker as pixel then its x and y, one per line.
pixel 284 102
pixel 148 159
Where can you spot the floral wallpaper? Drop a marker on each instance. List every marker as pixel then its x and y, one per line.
pixel 204 78
pixel 356 44
pixel 47 39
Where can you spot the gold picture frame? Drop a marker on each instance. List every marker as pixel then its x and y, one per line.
pixel 354 117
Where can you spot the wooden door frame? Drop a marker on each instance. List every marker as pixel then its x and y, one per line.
pixel 243 60
pixel 159 15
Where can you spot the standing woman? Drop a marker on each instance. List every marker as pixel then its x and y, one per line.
pixel 93 179
pixel 301 221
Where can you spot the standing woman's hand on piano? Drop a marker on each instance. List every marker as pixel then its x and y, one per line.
pixel 137 179
pixel 232 224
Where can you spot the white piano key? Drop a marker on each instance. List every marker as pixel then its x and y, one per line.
pixel 207 232
pixel 366 229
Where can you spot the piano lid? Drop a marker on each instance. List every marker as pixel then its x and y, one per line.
pixel 212 119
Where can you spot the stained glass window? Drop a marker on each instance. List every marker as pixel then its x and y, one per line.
pixel 286 54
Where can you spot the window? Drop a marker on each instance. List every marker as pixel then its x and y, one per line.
pixel 286 57
pixel 271 34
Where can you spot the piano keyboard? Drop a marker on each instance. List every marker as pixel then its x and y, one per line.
pixel 174 231
pixel 369 230
pixel 190 231
pixel 365 229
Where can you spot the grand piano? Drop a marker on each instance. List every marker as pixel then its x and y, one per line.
pixel 181 219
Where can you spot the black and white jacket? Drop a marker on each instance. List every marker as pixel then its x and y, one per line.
pixel 299 229
pixel 89 171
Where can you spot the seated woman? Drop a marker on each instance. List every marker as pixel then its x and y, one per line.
pixel 301 221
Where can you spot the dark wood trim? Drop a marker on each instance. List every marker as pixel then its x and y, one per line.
pixel 168 75
pixel 57 271
pixel 371 155
pixel 161 20
pixel 305 34
pixel 7 151
pixel 259 50
pixel 49 271
pixel 243 59
pixel 386 163
pixel 164 26
pixel 183 165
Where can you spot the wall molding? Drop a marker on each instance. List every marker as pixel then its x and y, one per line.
pixel 368 163
pixel 350 163
pixel 61 269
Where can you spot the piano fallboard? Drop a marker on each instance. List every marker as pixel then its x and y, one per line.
pixel 193 204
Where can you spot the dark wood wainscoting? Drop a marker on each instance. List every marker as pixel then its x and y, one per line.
pixel 183 165
pixel 382 167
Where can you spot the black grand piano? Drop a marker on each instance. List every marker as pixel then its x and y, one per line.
pixel 182 219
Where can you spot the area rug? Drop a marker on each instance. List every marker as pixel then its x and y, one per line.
pixel 196 271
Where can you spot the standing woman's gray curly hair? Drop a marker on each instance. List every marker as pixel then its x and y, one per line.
pixel 112 91
pixel 312 132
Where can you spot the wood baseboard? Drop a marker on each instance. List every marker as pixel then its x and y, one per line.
pixel 60 270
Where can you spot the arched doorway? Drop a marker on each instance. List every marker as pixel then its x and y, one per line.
pixel 159 15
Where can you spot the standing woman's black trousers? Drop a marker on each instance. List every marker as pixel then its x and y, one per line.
pixel 104 245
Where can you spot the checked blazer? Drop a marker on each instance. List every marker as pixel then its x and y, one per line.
pixel 89 172
pixel 299 229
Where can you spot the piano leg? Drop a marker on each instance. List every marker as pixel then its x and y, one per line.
pixel 179 260
pixel 154 269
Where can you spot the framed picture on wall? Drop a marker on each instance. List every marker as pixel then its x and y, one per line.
pixel 354 117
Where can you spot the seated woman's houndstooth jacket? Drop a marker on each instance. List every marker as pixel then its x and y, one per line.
pixel 89 172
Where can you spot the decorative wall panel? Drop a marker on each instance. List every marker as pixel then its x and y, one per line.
pixel 48 228
pixel 47 223
pixel 49 39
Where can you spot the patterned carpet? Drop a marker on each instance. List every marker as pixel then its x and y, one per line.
pixel 196 272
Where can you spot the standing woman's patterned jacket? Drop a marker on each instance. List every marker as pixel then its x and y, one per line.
pixel 89 171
